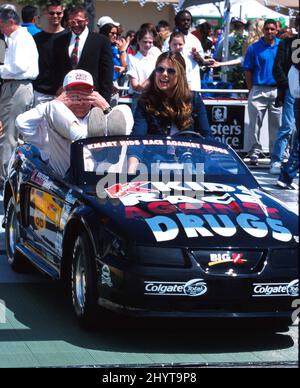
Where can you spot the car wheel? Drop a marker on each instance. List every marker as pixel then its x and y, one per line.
pixel 84 282
pixel 16 259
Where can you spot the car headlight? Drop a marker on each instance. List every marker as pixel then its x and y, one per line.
pixel 164 257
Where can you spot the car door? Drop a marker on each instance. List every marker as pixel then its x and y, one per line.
pixel 46 204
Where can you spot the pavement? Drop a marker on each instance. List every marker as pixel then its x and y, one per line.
pixel 39 329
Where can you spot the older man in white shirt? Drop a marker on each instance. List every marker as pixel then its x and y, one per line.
pixel 79 111
pixel 19 69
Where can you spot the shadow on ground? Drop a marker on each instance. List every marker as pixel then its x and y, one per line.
pixel 41 312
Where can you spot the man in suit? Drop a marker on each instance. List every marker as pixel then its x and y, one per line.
pixel 83 49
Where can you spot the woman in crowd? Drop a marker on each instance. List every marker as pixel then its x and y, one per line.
pixel 142 64
pixel 118 47
pixel 176 43
pixel 167 106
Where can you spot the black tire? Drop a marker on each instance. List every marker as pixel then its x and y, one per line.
pixel 16 259
pixel 84 282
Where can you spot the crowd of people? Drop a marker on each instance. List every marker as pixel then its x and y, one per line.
pixel 63 83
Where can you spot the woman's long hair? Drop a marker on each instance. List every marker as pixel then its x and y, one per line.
pixel 176 109
pixel 255 33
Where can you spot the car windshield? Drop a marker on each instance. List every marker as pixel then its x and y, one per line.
pixel 201 160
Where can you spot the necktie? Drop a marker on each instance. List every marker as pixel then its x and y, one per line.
pixel 74 54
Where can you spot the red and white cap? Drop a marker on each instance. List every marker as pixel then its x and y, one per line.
pixel 78 77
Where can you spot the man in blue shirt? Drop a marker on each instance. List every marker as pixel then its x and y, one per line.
pixel 30 17
pixel 258 66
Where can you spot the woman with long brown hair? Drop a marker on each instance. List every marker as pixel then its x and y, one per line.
pixel 167 106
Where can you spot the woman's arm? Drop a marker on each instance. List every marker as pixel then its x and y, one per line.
pixel 201 124
pixel 140 126
pixel 138 86
pixel 233 62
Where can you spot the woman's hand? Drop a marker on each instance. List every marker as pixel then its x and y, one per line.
pixel 122 44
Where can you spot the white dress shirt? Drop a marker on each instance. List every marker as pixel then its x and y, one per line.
pixel 190 41
pixel 21 57
pixel 52 127
pixel 82 39
pixel 140 67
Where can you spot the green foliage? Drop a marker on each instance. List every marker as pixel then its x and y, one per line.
pixel 42 3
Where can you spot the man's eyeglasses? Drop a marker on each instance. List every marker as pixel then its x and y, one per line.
pixel 52 13
pixel 77 22
pixel 169 70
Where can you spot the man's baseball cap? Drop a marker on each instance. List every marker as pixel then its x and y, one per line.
pixel 78 77
pixel 106 20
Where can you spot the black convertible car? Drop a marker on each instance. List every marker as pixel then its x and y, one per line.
pixel 189 234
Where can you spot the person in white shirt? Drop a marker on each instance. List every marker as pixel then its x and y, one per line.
pixel 79 111
pixel 192 46
pixel 19 69
pixel 142 64
pixel 177 42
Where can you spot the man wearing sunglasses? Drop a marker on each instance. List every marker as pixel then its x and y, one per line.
pixel 81 48
pixel 43 85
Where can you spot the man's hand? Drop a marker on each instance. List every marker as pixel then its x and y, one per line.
pixel 210 62
pixel 196 56
pixel 81 97
pixel 97 100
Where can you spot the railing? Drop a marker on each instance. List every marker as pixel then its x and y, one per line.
pixel 126 99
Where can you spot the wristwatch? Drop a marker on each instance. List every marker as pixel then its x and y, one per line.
pixel 107 110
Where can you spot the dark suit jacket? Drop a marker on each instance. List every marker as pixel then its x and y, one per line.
pixel 283 62
pixel 281 67
pixel 96 58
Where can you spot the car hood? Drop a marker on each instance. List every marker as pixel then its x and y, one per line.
pixel 219 215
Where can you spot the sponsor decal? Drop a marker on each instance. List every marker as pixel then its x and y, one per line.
pixel 199 209
pixel 221 258
pixel 219 114
pixel 105 276
pixel 227 124
pixel 41 179
pixel 123 189
pixel 165 228
pixel 155 142
pixel 276 289
pixel 39 219
pixel 194 287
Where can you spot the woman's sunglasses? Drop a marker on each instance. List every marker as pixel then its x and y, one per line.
pixel 169 70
